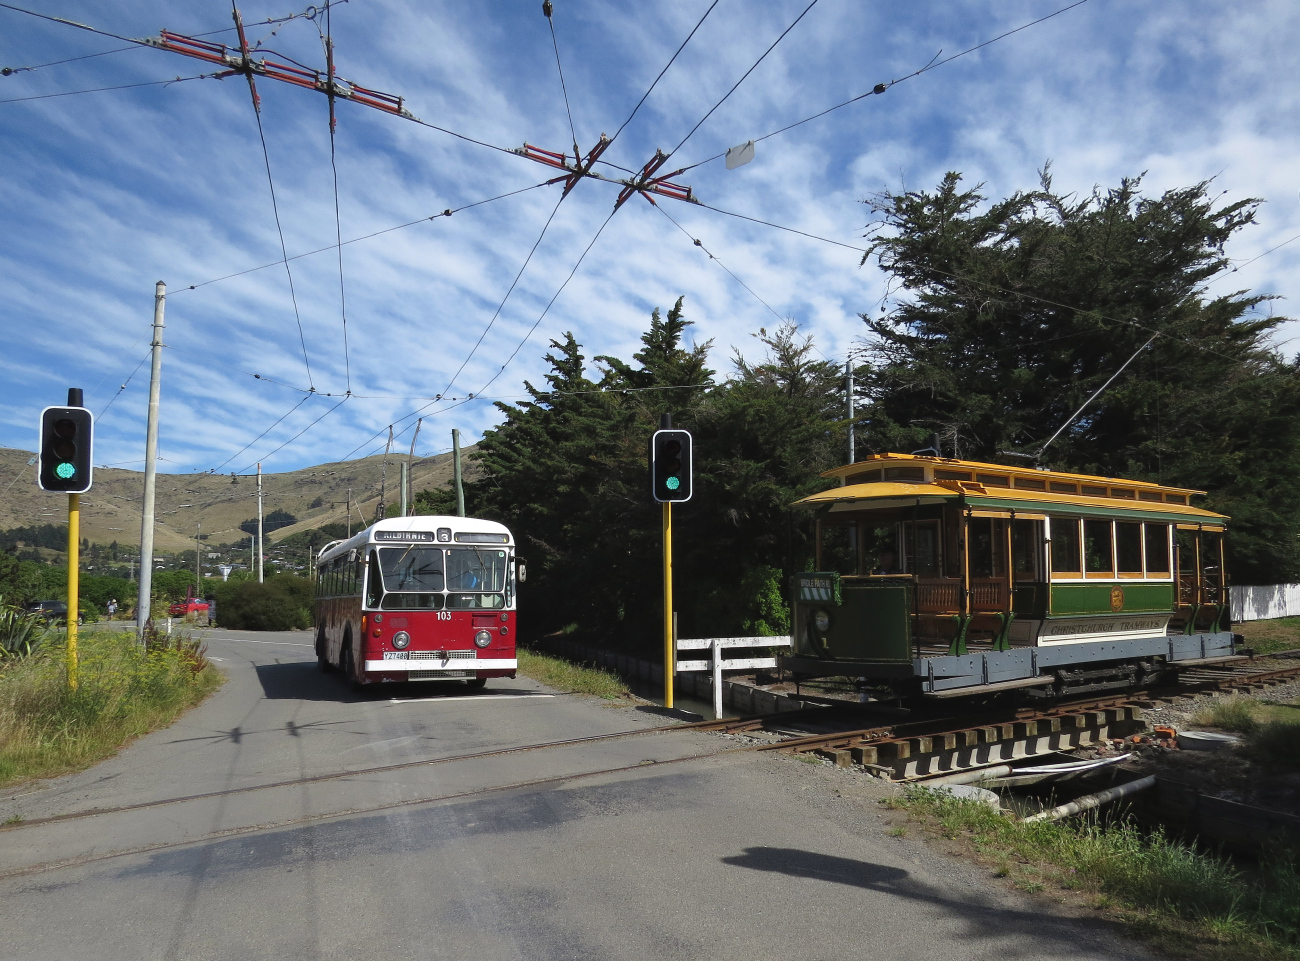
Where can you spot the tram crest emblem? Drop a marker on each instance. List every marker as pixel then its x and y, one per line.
pixel 1117 599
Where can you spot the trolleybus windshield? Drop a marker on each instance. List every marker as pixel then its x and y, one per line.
pixel 479 574
pixel 412 578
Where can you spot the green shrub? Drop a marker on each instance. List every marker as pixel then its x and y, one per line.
pixel 20 633
pixel 1276 744
pixel 283 603
pixel 124 690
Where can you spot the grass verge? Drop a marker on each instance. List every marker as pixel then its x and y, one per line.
pixel 566 676
pixel 1180 899
pixel 1268 637
pixel 123 692
pixel 1272 728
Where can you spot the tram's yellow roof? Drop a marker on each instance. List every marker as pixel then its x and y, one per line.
pixel 886 480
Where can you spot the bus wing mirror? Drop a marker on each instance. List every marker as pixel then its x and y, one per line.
pixel 521 570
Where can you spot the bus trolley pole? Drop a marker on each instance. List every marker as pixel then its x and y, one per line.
pixel 668 604
pixel 74 551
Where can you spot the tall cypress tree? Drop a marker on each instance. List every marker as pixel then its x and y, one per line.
pixel 1014 312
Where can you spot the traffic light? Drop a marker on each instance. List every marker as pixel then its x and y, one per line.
pixel 670 465
pixel 67 435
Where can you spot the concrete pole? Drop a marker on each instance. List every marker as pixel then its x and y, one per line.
pixel 848 368
pixel 144 597
pixel 198 570
pixel 455 460
pixel 406 480
pixel 261 557
pixel 349 512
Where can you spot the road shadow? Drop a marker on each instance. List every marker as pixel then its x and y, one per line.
pixel 986 917
pixel 304 681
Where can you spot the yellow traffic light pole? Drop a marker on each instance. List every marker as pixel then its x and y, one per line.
pixel 74 550
pixel 668 604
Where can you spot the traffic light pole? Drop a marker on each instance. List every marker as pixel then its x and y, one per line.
pixel 668 604
pixel 144 598
pixel 74 585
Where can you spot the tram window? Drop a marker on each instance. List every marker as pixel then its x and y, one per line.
pixel 1186 542
pixel 921 548
pixel 1157 543
pixel 951 475
pixel 1128 547
pixel 1060 487
pixel 993 480
pixel 839 548
pixel 1210 556
pixel 880 548
pixel 908 475
pixel 987 539
pixel 1031 484
pixel 1065 546
pixel 1026 541
pixel 1097 556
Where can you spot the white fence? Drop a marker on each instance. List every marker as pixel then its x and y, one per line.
pixel 715 646
pixel 1265 602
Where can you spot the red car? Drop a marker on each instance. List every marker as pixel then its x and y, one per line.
pixel 191 605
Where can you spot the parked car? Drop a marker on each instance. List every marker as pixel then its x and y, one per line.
pixel 53 612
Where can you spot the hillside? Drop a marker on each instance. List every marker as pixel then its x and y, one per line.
pixel 219 502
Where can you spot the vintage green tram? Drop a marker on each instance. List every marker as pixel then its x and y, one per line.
pixel 948 577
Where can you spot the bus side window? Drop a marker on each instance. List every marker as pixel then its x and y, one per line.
pixel 373 586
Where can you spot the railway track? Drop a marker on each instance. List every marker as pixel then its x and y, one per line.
pixel 942 745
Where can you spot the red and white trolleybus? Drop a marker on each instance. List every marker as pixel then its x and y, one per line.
pixel 419 599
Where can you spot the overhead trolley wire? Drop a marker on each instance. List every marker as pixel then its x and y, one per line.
pixel 655 83
pixel 275 209
pixel 501 306
pixel 547 10
pixel 320 250
pixel 267 456
pixel 934 64
pixel 123 387
pixel 734 86
pixel 792 230
pixel 328 40
pixel 121 86
pixel 261 435
pixel 698 243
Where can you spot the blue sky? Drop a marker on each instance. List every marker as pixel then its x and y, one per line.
pixel 105 193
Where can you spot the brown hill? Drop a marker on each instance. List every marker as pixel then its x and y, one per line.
pixel 219 503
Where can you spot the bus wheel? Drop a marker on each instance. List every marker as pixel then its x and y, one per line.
pixel 477 684
pixel 348 667
pixel 322 657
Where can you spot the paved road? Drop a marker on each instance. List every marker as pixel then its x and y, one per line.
pixel 285 818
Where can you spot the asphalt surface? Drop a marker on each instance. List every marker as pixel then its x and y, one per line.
pixel 287 817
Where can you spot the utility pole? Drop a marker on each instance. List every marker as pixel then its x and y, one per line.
pixel 261 556
pixel 144 597
pixel 382 509
pixel 455 460
pixel 410 458
pixel 405 481
pixel 349 512
pixel 848 371
pixel 198 571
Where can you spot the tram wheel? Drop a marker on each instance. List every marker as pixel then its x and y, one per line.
pixel 476 684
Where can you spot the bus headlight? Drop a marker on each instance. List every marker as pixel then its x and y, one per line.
pixel 823 621
pixel 401 640
pixel 483 638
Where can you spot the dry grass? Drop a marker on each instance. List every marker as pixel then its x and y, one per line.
pixel 1272 730
pixel 124 691
pixel 1186 902
pixel 566 676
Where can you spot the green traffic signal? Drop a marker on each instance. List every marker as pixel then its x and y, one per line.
pixel 65 471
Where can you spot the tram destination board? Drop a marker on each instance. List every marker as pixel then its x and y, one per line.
pixel 404 535
pixel 818 586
